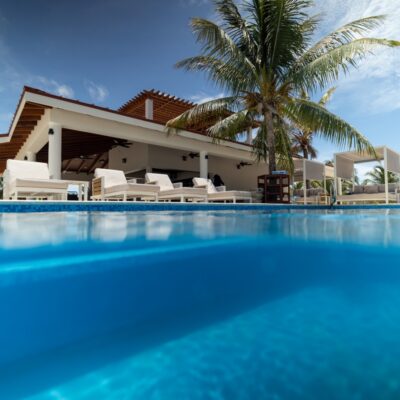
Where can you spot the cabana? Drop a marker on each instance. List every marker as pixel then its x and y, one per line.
pixel 344 169
pixel 308 170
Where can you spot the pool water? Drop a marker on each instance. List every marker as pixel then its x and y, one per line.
pixel 200 305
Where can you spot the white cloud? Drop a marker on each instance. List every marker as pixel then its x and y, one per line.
pixel 204 97
pixel 98 93
pixel 55 87
pixel 193 2
pixel 373 86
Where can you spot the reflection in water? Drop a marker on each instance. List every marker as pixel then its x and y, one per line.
pixel 39 229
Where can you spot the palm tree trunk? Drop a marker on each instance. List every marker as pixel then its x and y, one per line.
pixel 269 123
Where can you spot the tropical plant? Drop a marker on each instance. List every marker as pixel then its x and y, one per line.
pixel 377 175
pixel 302 137
pixel 261 54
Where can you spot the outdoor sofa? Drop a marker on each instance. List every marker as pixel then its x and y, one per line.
pixel 111 184
pixel 175 191
pixel 220 193
pixel 370 194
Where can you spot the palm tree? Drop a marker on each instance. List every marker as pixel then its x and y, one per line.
pixel 302 137
pixel 377 175
pixel 261 55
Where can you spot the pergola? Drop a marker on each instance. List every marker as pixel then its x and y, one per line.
pixel 344 165
pixel 305 170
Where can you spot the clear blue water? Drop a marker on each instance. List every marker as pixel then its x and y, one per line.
pixel 203 305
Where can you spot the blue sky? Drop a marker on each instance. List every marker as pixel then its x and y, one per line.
pixel 105 51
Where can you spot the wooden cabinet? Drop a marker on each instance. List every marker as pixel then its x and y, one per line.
pixel 275 188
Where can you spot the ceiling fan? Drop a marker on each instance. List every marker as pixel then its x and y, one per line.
pixel 122 143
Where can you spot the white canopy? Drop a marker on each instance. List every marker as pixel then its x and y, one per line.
pixel 305 170
pixel 311 170
pixel 344 163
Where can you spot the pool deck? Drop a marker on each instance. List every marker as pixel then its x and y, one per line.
pixel 107 206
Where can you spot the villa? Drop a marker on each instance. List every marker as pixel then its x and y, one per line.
pixel 75 138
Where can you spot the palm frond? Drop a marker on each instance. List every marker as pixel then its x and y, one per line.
pixel 328 125
pixel 231 126
pixel 200 113
pixel 218 44
pixel 236 26
pixel 326 69
pixel 343 35
pixel 327 96
pixel 225 75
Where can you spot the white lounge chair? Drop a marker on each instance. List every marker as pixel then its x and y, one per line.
pixel 30 179
pixel 111 184
pixel 220 193
pixel 175 191
pixel 371 194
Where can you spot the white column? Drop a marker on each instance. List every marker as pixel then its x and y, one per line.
pixel 203 164
pixel 149 109
pixel 335 177
pixel 340 188
pixel 55 145
pixel 249 136
pixel 385 165
pixel 30 156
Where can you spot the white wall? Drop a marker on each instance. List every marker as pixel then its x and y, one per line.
pixel 141 156
pixel 137 157
pixel 244 178
pixel 164 158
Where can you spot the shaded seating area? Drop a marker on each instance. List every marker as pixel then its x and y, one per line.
pixel 175 191
pixel 376 193
pixel 31 180
pixel 310 170
pixel 309 196
pixel 110 184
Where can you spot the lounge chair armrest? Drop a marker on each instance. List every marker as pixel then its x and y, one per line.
pixel 221 188
pixel 178 185
pixel 6 184
pixel 98 186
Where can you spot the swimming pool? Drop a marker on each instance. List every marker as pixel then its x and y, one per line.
pixel 263 304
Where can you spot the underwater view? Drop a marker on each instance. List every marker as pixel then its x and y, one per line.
pixel 200 305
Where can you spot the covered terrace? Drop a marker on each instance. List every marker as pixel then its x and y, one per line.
pixel 75 138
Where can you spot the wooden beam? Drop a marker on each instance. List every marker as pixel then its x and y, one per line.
pixel 80 166
pixel 68 164
pixel 93 164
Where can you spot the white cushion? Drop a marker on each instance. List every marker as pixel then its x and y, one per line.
pixel 112 177
pixel 161 180
pixel 186 192
pixel 27 170
pixel 230 194
pixel 205 183
pixel 41 184
pixel 132 188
